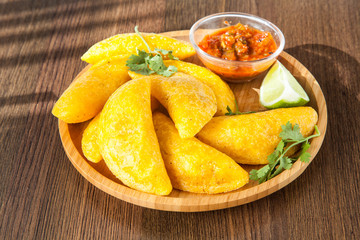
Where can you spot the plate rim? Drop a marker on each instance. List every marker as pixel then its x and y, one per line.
pixel 208 202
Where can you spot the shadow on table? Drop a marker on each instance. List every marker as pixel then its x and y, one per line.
pixel 34 58
pixel 52 16
pixel 27 98
pixel 47 12
pixel 18 119
pixel 23 119
pixel 37 21
pixel 26 6
pixel 337 73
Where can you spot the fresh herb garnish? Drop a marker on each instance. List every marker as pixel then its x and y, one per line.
pixel 277 160
pixel 237 112
pixel 150 62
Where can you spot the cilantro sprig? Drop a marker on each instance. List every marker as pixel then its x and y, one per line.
pixel 237 112
pixel 278 162
pixel 150 62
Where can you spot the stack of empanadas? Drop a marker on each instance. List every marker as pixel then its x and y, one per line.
pixel 191 146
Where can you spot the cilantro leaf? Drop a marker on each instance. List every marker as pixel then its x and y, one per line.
pixel 253 175
pixel 290 133
pixel 166 53
pixel 260 173
pixel 138 65
pixel 278 161
pixel 273 157
pixel 304 155
pixel 147 63
pixel 263 171
pixel 135 59
pixel 280 146
pixel 286 162
pixel 169 71
pixel 142 54
pixel 142 69
pixel 156 64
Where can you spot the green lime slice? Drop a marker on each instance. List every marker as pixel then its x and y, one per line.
pixel 280 89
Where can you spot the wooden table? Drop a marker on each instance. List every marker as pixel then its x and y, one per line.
pixel 42 196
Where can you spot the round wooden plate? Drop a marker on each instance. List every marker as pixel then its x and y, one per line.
pixel 247 97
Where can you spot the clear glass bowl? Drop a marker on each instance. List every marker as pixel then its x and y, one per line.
pixel 235 71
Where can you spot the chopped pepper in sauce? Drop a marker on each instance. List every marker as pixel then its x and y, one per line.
pixel 239 42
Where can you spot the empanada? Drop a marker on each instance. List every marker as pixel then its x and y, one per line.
pixel 250 138
pixel 128 142
pixel 194 166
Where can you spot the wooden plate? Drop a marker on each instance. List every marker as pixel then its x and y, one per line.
pixel 247 97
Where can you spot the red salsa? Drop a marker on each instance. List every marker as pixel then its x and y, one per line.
pixel 239 42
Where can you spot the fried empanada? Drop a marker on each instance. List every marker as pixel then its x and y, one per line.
pixel 129 42
pixel 128 142
pixel 190 103
pixel 250 138
pixel 86 95
pixel 194 166
pixel 89 144
pixel 224 96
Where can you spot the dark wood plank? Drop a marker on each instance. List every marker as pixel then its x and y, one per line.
pixel 42 196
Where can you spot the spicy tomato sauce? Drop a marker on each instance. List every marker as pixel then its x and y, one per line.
pixel 240 43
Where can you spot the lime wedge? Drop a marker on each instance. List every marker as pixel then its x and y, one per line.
pixel 280 89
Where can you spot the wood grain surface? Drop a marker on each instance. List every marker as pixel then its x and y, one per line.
pixel 42 196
